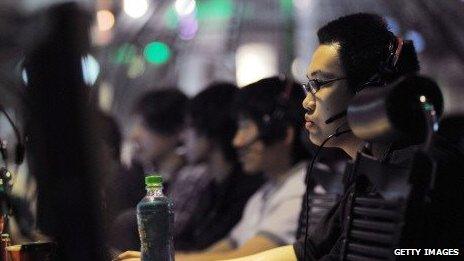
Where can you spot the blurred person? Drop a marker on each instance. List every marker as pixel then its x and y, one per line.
pixel 351 51
pixel 159 118
pixel 158 122
pixel 22 227
pixel 122 187
pixel 117 188
pixel 110 137
pixel 211 191
pixel 269 118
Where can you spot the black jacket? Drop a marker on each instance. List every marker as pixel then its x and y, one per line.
pixel 443 227
pixel 219 210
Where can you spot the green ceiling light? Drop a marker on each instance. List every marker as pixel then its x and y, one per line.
pixel 125 53
pixel 157 53
pixel 214 9
pixel 286 6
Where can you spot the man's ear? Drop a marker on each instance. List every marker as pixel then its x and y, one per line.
pixel 289 136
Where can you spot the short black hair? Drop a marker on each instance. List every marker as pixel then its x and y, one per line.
pixel 162 111
pixel 274 104
pixel 210 114
pixel 364 47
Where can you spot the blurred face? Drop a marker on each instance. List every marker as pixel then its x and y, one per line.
pixel 150 146
pixel 330 99
pixel 251 151
pixel 197 146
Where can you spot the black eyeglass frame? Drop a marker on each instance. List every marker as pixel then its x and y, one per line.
pixel 314 85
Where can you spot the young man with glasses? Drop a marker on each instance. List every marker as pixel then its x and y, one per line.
pixel 352 52
pixel 357 48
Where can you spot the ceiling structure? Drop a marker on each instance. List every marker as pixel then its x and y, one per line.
pixel 148 44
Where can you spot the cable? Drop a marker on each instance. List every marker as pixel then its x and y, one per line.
pixel 311 166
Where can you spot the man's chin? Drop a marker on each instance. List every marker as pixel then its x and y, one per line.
pixel 249 169
pixel 319 140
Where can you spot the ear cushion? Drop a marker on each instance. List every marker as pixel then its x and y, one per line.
pixel 273 125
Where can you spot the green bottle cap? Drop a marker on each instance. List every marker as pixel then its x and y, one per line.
pixel 153 181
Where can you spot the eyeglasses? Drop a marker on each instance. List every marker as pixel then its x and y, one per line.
pixel 313 86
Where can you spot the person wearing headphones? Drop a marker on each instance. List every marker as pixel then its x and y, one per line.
pixel 357 52
pixel 267 140
pixel 212 190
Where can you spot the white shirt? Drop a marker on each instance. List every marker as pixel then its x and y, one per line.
pixel 273 211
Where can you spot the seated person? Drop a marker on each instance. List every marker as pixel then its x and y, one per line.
pixel 351 51
pixel 212 184
pixel 268 140
pixel 324 187
pixel 156 134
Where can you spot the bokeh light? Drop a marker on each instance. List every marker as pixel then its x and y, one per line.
pixel 286 7
pixel 105 96
pixel 255 61
pixel 105 20
pixel 125 53
pixel 188 28
pixel 184 7
pixel 135 8
pixel 214 9
pixel 90 69
pixel 418 40
pixel 393 25
pixel 157 52
pixel 136 67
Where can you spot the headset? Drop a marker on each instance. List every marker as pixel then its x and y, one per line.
pixel 379 79
pixel 5 175
pixel 274 124
pixel 387 68
pixel 382 77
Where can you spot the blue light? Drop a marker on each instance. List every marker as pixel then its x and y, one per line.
pixel 393 25
pixel 417 38
pixel 90 69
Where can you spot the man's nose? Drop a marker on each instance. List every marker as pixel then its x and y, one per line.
pixel 134 134
pixel 237 140
pixel 309 103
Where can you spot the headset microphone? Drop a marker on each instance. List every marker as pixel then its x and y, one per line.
pixel 336 117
